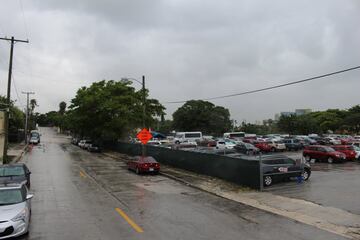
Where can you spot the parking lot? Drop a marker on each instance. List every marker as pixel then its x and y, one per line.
pixel 335 185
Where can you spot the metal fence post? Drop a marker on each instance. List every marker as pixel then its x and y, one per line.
pixel 261 173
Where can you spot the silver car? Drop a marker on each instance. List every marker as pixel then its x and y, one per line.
pixel 15 210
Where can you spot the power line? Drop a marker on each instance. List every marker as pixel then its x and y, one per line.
pixel 272 87
pixel 16 91
pixel 24 19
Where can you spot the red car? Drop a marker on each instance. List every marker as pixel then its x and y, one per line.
pixel 323 153
pixel 263 146
pixel 144 164
pixel 348 150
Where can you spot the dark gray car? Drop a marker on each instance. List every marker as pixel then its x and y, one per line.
pixel 281 167
pixel 15 173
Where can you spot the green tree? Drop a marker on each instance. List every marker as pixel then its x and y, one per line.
pixel 110 110
pixel 16 116
pixel 287 124
pixel 198 115
pixel 62 108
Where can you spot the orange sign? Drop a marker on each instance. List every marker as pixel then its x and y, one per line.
pixel 144 136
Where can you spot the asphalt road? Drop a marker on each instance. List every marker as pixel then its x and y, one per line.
pixel 79 195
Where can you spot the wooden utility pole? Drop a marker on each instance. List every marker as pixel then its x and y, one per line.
pixel 12 41
pixel 27 115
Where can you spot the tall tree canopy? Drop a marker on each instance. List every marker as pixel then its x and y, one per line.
pixel 198 115
pixel 62 107
pixel 110 110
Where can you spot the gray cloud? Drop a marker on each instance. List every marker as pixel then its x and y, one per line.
pixel 188 50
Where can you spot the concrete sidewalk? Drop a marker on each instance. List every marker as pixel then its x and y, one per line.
pixel 330 219
pixel 16 151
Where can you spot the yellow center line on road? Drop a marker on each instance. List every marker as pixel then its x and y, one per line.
pixel 82 174
pixel 131 222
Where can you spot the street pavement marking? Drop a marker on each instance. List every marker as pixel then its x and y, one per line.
pixel 131 222
pixel 82 174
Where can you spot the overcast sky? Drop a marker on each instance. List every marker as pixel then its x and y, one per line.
pixel 187 49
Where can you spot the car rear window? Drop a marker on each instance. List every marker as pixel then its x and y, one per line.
pixel 11 171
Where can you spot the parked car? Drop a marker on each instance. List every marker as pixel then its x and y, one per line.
pixel 141 164
pixel 34 140
pixel 280 168
pixel 81 143
pixel 35 134
pixel 357 150
pixel 263 146
pixel 323 141
pixel 323 153
pixel 348 150
pixel 247 148
pixel 292 144
pixel 94 148
pixel 15 209
pixel 225 144
pixel 75 141
pixel 86 144
pixel 276 146
pixel 15 173
pixel 333 141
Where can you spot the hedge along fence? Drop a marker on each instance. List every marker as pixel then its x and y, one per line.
pixel 245 172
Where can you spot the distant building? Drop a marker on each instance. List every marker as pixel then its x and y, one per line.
pixel 287 114
pixel 300 112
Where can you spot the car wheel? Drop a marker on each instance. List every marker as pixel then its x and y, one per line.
pixel 137 170
pixel 330 160
pixel 267 180
pixel 306 174
pixel 307 158
pixel 273 149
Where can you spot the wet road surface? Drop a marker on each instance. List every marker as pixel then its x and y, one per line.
pixel 79 195
pixel 334 185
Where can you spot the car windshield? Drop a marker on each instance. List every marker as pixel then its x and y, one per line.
pixel 11 196
pixel 356 148
pixel 329 149
pixel 11 171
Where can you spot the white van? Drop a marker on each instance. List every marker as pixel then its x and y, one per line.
pixel 234 135
pixel 187 136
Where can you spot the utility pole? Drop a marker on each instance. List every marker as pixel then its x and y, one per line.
pixel 13 41
pixel 27 114
pixel 144 113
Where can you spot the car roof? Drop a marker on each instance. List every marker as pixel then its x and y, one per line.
pixel 12 165
pixel 10 186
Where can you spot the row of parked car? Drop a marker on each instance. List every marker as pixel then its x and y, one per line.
pixel 86 144
pixel 15 200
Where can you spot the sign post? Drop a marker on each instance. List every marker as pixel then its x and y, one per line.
pixel 144 136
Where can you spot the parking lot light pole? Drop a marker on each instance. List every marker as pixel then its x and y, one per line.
pixel 143 150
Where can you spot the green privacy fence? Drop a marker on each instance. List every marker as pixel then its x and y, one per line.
pixel 245 172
